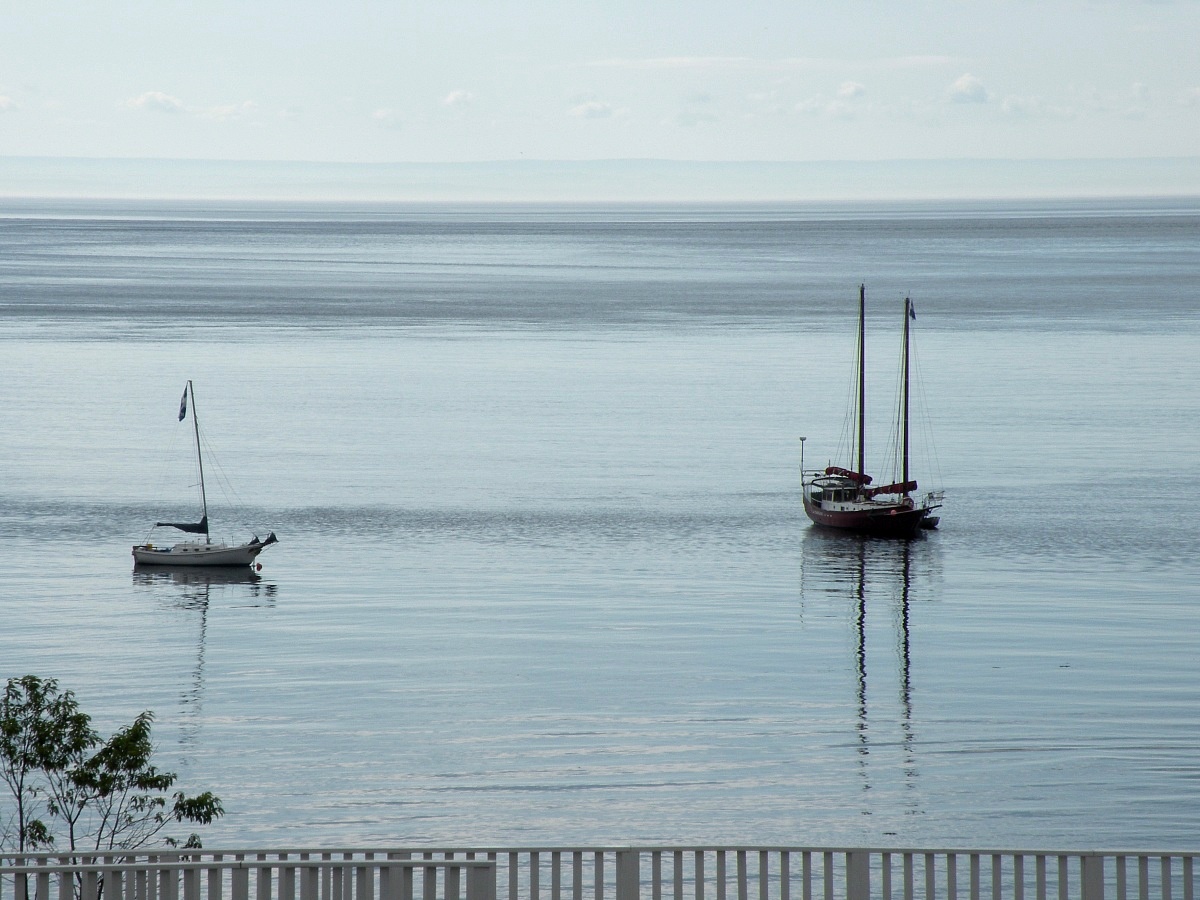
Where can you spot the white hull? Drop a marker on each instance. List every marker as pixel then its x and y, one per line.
pixel 197 553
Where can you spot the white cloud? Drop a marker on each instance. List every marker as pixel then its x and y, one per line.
pixel 1036 108
pixel 592 109
pixel 843 106
pixel 386 117
pixel 227 113
pixel 766 103
pixel 458 98
pixel 156 101
pixel 968 89
pixel 1137 102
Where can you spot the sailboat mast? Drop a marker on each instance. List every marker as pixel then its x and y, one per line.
pixel 862 377
pixel 199 461
pixel 904 412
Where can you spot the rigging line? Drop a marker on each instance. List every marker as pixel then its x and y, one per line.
pixel 217 468
pixel 924 418
pixel 234 502
pixel 895 449
pixel 167 467
pixel 848 438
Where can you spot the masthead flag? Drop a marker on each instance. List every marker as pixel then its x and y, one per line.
pixel 183 405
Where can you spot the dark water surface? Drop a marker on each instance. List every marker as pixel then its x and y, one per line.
pixel 543 572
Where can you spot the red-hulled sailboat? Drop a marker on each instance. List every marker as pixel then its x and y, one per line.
pixel 838 497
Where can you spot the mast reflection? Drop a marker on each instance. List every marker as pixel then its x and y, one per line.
pixel 193 590
pixel 874 575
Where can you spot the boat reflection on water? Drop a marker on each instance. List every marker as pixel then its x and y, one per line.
pixel 875 581
pixel 193 586
pixel 194 590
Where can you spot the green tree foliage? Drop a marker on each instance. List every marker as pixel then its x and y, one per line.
pixel 66 783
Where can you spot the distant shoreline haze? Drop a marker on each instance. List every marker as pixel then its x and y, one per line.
pixel 627 180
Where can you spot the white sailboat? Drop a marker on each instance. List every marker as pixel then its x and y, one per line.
pixel 198 553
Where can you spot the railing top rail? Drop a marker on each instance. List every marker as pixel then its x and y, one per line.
pixel 439 854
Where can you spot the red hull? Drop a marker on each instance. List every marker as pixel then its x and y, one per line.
pixel 897 521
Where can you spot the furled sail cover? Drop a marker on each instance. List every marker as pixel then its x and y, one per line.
pixel 200 527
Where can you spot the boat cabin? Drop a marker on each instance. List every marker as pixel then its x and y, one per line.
pixel 835 490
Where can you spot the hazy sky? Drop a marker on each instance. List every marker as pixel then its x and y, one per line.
pixel 568 79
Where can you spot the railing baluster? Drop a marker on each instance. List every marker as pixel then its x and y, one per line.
pixel 629 874
pixel 428 880
pixel 1143 878
pixel 678 873
pixel 1091 877
pixel 364 888
pixel 742 886
pixel 656 875
pixel 239 883
pixel 1040 876
pixel 720 875
pixel 858 875
pixel 216 879
pixel 1166 878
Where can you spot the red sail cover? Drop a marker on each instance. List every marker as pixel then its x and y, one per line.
pixel 856 477
pixel 901 487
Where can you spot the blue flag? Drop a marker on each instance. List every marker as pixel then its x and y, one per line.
pixel 183 405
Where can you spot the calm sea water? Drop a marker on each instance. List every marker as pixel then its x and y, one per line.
pixel 543 572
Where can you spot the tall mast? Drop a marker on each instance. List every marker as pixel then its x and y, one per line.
pixel 904 411
pixel 199 461
pixel 862 378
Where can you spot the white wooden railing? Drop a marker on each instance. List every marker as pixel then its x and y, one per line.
pixel 602 873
